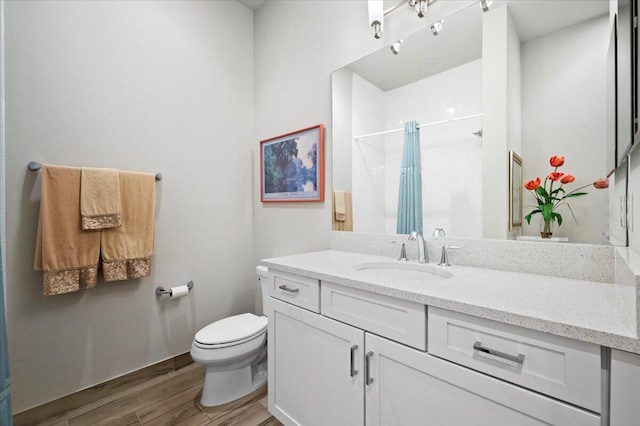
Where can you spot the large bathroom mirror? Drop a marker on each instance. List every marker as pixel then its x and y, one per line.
pixel 555 104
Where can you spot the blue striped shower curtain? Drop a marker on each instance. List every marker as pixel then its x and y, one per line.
pixel 5 389
pixel 410 194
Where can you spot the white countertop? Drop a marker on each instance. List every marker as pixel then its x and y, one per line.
pixel 582 310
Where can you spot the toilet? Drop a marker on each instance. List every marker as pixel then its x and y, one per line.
pixel 234 349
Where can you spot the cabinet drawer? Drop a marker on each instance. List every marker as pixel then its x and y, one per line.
pixel 399 320
pixel 413 388
pixel 297 290
pixel 563 368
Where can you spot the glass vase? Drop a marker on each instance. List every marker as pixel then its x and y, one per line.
pixel 547 227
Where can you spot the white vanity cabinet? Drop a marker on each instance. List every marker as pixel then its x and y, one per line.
pixel 367 365
pixel 315 368
pixel 625 388
pixel 409 387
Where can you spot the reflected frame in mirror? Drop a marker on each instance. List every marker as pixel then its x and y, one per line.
pixel 515 191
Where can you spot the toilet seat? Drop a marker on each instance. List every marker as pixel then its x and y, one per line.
pixel 231 331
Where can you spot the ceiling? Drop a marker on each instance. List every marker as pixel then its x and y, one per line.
pixel 460 40
pixel 252 4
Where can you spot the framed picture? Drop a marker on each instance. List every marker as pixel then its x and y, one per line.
pixel 292 166
pixel 515 191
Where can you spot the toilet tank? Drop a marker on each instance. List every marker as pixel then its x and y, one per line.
pixel 263 277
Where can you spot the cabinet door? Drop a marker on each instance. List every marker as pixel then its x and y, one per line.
pixel 315 368
pixel 409 387
pixel 625 382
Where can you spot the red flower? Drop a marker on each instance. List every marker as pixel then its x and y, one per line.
pixel 568 178
pixel 532 184
pixel 601 183
pixel 556 161
pixel 554 176
pixel 549 199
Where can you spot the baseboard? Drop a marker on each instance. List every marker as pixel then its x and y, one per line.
pixel 61 406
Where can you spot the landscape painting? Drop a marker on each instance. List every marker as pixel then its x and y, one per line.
pixel 292 166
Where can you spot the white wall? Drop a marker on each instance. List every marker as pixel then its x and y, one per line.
pixel 341 112
pixel 498 119
pixel 3 208
pixel 568 67
pixel 153 86
pixel 368 157
pixel 514 89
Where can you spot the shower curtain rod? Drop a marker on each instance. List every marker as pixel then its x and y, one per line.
pixel 420 126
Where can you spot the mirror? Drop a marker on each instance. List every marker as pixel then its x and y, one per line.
pixel 443 81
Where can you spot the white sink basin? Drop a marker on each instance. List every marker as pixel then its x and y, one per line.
pixel 401 271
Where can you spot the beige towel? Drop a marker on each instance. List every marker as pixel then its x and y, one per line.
pixel 67 255
pixel 342 211
pixel 99 198
pixel 127 249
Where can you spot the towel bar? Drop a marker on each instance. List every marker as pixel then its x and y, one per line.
pixel 160 290
pixel 35 166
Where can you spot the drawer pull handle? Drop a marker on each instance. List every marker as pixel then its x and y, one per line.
pixel 517 359
pixel 367 368
pixel 289 290
pixel 353 370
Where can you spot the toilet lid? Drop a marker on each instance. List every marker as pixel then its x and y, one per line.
pixel 232 329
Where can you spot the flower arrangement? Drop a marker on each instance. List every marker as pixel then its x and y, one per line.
pixel 550 198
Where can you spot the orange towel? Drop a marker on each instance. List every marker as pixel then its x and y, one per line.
pixel 99 198
pixel 67 255
pixel 127 249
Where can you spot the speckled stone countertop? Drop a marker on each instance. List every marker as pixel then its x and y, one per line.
pixel 583 310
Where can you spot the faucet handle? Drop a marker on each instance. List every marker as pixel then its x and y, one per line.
pixel 444 260
pixel 403 251
pixel 439 232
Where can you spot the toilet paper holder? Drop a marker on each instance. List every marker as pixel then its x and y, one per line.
pixel 160 290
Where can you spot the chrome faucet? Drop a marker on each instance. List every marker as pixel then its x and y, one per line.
pixel 439 232
pixel 423 257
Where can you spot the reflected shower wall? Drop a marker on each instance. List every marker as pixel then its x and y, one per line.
pixel 450 153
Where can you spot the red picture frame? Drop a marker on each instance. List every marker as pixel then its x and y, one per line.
pixel 292 167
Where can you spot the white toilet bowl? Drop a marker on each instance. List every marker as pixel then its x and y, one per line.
pixel 234 349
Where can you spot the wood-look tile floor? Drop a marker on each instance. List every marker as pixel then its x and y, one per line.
pixel 170 399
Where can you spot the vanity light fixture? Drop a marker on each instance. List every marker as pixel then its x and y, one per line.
pixel 420 7
pixel 396 45
pixel 377 13
pixel 436 27
pixel 486 4
pixel 376 17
